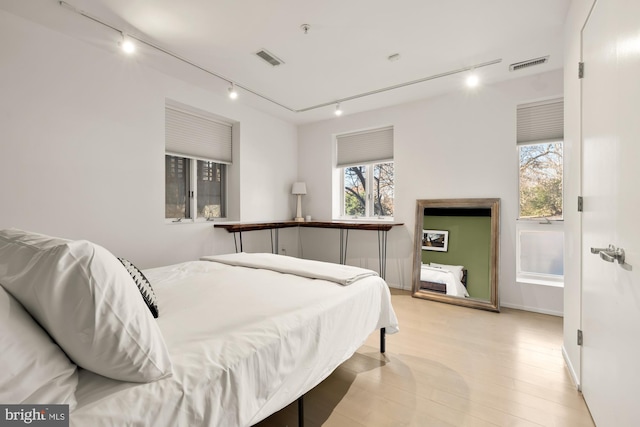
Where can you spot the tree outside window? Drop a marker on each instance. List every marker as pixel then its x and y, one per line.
pixel 541 180
pixel 359 199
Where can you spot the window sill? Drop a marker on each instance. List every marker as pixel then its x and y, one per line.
pixel 364 219
pixel 174 222
pixel 541 282
pixel 194 221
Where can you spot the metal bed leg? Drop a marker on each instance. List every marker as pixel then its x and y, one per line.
pixel 300 411
pixel 383 340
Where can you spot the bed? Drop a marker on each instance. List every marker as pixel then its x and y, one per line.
pixel 242 335
pixel 445 279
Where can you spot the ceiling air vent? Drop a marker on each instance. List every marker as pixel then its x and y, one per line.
pixel 529 63
pixel 270 58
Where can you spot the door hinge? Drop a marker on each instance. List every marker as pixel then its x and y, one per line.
pixel 580 204
pixel 579 336
pixel 580 70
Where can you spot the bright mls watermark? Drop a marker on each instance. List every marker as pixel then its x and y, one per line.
pixel 34 415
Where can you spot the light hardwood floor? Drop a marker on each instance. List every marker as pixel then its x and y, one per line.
pixel 450 366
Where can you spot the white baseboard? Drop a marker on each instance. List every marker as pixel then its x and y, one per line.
pixel 572 371
pixel 533 309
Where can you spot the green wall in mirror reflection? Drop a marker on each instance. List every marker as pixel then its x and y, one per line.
pixel 469 245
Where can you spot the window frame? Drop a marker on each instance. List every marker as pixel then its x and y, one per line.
pixel 520 217
pixel 192 191
pixel 540 224
pixel 369 204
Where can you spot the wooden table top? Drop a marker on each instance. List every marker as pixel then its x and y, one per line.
pixel 233 227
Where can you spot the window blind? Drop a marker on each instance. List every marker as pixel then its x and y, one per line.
pixel 359 148
pixel 194 135
pixel 541 122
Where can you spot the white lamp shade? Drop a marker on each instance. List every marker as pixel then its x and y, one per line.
pixel 299 188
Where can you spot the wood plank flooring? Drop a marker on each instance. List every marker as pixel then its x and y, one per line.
pixel 450 366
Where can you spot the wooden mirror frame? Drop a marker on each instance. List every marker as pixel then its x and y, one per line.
pixel 494 204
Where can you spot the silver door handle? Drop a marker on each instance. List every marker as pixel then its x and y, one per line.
pixel 610 254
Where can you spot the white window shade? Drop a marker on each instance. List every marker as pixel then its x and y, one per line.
pixel 359 148
pixel 541 122
pixel 194 135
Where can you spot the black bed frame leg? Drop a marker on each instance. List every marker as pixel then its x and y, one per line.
pixel 300 411
pixel 301 398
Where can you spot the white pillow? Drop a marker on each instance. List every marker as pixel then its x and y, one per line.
pixel 87 301
pixel 455 269
pixel 34 369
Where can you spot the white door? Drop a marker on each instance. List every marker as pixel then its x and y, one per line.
pixel 611 191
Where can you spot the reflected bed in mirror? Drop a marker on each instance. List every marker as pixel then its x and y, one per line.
pixel 456 252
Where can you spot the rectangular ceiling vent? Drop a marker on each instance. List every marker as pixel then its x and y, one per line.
pixel 269 57
pixel 529 63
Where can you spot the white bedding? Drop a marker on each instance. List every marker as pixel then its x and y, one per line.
pixel 244 343
pixel 339 273
pixel 439 275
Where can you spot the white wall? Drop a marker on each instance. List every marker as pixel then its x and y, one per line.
pixel 572 136
pixel 453 146
pixel 82 149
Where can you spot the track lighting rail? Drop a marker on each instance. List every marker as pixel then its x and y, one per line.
pixel 266 98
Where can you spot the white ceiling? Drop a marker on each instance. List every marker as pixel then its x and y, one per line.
pixel 344 53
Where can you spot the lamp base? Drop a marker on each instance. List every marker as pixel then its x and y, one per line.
pixel 298 219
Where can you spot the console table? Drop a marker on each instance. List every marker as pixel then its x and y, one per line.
pixel 382 227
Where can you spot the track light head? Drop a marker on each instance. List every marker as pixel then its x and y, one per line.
pixel 338 111
pixel 127 45
pixel 472 80
pixel 233 93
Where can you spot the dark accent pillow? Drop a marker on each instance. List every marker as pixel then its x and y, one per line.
pixel 143 286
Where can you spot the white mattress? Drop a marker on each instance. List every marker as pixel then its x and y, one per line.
pixel 244 343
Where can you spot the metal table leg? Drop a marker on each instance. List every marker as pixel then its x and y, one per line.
pixel 235 241
pixel 382 252
pixel 344 241
pixel 274 243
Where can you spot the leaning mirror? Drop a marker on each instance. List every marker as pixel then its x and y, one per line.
pixel 456 252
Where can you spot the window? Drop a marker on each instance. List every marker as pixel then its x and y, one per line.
pixel 540 180
pixel 198 151
pixel 202 191
pixel 365 164
pixel 540 231
pixel 358 202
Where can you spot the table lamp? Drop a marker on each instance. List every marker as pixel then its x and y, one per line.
pixel 298 189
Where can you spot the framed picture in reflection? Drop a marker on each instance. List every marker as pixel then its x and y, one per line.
pixel 435 240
